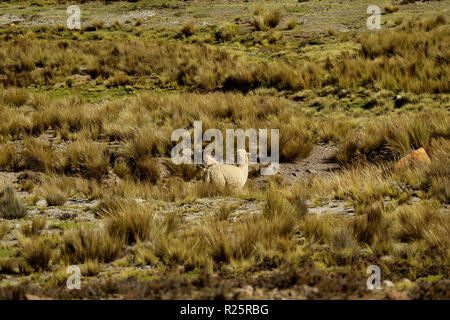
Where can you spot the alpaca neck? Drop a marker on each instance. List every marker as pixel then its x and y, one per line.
pixel 244 168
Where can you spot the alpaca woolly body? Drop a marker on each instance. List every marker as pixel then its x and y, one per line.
pixel 228 175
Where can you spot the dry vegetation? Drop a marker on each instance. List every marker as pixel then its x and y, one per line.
pixel 413 57
pixel 141 227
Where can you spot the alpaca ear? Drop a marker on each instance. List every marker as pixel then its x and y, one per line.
pixel 210 160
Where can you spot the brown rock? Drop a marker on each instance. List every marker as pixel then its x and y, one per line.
pixel 29 176
pixel 34 297
pixel 394 295
pixel 418 156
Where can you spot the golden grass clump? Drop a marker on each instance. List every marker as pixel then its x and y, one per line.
pixel 53 196
pixel 423 221
pixel 119 80
pixel 8 157
pixel 94 26
pixel 266 19
pixel 80 246
pixel 188 29
pixel 33 228
pixel 316 228
pixel 84 157
pixel 171 245
pixel 10 206
pixel 130 222
pixel 390 8
pixel 36 251
pixel 36 155
pixel 387 55
pixel 225 246
pixel 371 225
pixel 272 18
pixel 291 24
pixel 296 141
pixel 224 212
pixel 4 230
pixel 227 32
pixel 14 96
pixel 385 136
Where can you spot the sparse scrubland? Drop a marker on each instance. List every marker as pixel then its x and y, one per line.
pixel 86 178
pixel 412 57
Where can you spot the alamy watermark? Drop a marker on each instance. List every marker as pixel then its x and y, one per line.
pixel 374 280
pixel 74 280
pixel 74 19
pixel 374 21
pixel 213 152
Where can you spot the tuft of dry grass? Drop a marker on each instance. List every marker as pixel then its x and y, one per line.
pixel 272 18
pixel 390 8
pixel 4 229
pixel 90 268
pixel 94 26
pixel 266 19
pixel 119 79
pixel 297 196
pixel 8 266
pixel 371 225
pixel 8 157
pixel 277 205
pixel 258 23
pixel 224 212
pixel 227 32
pixel 10 206
pixel 188 29
pixel 395 136
pixel 36 251
pixel 224 245
pixel 36 155
pixel 317 228
pixel 84 157
pixel 80 246
pixel 423 221
pixel 53 196
pixel 291 24
pixel 296 141
pixel 130 222
pixel 33 228
pixel 16 97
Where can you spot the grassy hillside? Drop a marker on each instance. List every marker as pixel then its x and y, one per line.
pixel 86 179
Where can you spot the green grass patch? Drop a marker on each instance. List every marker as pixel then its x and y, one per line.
pixel 6 253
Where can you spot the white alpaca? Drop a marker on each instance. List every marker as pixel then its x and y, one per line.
pixel 229 175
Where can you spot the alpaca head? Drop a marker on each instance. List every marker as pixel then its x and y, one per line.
pixel 242 157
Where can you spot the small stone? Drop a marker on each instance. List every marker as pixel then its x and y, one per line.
pixel 388 283
pixel 387 259
pixel 42 203
pixel 400 101
pixel 227 268
pixel 84 71
pixel 245 292
pixel 394 295
pixel 249 290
